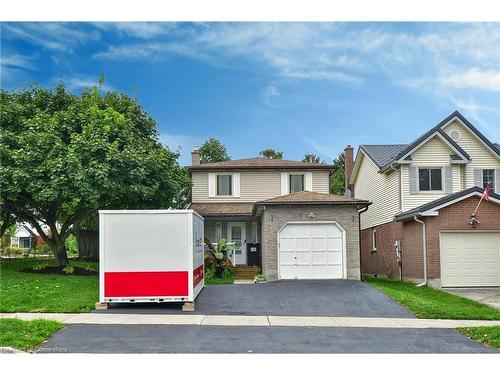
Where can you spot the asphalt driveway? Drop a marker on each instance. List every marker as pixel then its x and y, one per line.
pixel 88 338
pixel 291 298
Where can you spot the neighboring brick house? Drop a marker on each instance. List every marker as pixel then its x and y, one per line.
pixel 423 196
pixel 284 208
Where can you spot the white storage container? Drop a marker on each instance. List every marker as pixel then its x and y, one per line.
pixel 150 255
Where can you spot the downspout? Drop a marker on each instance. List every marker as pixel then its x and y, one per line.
pixel 364 209
pixel 424 249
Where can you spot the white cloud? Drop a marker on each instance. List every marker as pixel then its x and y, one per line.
pixel 55 36
pixel 143 30
pixel 269 94
pixel 474 78
pixel 18 61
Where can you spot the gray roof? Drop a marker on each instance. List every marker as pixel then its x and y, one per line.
pixel 438 202
pixel 382 154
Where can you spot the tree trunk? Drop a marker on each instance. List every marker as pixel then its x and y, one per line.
pixel 88 244
pixel 60 254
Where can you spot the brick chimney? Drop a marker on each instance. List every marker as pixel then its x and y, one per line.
pixel 348 162
pixel 195 156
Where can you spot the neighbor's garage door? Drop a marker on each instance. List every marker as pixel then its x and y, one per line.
pixel 310 251
pixel 470 259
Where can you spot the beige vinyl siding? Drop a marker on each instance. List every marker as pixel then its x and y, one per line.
pixel 481 156
pixel 321 182
pixel 432 154
pixel 255 185
pixel 381 189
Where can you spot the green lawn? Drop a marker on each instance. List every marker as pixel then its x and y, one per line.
pixel 26 335
pixel 29 292
pixel 223 280
pixel 487 335
pixel 431 303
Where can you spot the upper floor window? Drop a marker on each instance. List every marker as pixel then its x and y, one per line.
pixel 224 184
pixel 489 176
pixel 429 179
pixel 296 183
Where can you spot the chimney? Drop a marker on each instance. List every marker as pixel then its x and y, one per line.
pixel 348 164
pixel 195 156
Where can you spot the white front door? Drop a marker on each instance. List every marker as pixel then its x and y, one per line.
pixel 236 232
pixel 311 251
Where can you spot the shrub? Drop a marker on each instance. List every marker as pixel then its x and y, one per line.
pixel 12 251
pixel 42 250
pixel 71 245
pixel 260 278
pixel 40 266
pixel 68 270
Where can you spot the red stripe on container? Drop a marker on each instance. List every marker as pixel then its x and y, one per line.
pixel 146 284
pixel 197 275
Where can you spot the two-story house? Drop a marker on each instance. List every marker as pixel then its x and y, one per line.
pixel 423 196
pixel 284 208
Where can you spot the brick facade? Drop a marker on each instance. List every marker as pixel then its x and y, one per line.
pixel 453 217
pixel 274 217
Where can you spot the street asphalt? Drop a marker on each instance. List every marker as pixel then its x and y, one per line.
pixel 90 338
pixel 291 298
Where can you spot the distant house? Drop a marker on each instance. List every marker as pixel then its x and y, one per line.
pixel 26 238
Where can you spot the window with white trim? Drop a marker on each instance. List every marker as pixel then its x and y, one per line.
pixel 374 240
pixel 296 183
pixel 430 179
pixel 489 176
pixel 224 184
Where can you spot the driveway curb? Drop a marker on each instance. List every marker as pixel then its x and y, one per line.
pixel 250 320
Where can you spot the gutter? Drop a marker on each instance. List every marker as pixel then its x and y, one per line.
pixel 424 249
pixel 364 209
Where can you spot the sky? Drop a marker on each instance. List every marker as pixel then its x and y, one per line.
pixel 296 87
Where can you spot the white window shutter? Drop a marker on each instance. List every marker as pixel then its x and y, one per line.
pixel 211 185
pixel 236 185
pixel 496 187
pixel 284 183
pixel 413 179
pixel 478 177
pixel 309 181
pixel 448 180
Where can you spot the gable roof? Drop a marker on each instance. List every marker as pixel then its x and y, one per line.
pixel 384 156
pixel 429 208
pixel 260 163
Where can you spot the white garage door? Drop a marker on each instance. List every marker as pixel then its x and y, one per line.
pixel 470 259
pixel 310 251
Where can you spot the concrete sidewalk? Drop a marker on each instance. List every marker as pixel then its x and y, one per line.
pixel 246 321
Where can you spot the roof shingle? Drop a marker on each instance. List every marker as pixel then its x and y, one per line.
pixel 260 163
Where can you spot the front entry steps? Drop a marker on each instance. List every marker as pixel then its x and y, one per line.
pixel 245 273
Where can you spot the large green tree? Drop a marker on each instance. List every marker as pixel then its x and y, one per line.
pixel 63 157
pixel 213 151
pixel 271 153
pixel 337 184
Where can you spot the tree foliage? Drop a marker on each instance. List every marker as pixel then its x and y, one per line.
pixel 63 157
pixel 213 151
pixel 271 153
pixel 315 158
pixel 337 184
